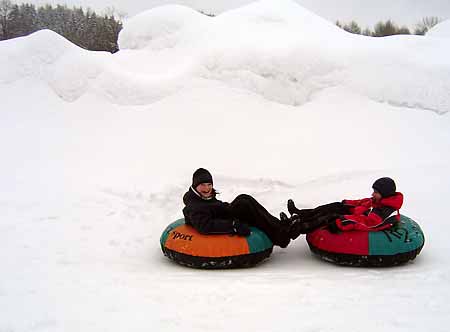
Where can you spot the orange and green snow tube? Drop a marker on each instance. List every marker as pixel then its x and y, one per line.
pixel 184 245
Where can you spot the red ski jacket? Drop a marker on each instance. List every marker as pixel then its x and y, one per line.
pixel 367 215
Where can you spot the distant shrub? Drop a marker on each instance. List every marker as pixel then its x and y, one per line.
pixel 389 28
pixel 207 14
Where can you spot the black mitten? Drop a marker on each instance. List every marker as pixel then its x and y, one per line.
pixel 241 229
pixel 332 227
pixel 284 220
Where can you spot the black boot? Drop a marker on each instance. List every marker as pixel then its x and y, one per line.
pixel 291 207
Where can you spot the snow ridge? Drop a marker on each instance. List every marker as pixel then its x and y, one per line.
pixel 280 51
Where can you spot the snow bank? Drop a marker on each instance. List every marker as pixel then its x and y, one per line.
pixel 280 51
pixel 47 56
pixel 71 72
pixel 288 54
pixel 441 30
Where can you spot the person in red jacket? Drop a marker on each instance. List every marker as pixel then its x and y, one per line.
pixel 376 213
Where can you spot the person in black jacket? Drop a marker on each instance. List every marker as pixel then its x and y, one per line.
pixel 208 215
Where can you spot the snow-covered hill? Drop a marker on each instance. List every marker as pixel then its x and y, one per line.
pixel 283 53
pixel 98 149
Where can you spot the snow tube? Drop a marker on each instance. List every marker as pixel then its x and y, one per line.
pixel 184 245
pixel 397 245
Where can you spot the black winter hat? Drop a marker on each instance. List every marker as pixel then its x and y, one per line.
pixel 201 176
pixel 385 186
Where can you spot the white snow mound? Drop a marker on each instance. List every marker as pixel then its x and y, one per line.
pixel 157 25
pixel 47 56
pixel 72 71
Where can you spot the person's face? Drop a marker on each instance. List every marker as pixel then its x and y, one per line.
pixel 376 196
pixel 205 189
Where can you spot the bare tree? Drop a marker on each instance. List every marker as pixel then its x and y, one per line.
pixel 426 24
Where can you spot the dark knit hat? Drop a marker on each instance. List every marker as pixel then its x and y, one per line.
pixel 385 186
pixel 201 176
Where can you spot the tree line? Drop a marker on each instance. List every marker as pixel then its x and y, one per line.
pixel 382 29
pixel 84 28
pixel 389 28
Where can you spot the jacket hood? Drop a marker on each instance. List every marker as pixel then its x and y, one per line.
pixel 395 201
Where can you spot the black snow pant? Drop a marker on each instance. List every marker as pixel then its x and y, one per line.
pixel 311 219
pixel 247 210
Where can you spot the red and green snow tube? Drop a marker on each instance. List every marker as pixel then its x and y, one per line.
pixel 397 245
pixel 184 245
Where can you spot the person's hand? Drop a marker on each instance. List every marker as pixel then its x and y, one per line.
pixel 241 229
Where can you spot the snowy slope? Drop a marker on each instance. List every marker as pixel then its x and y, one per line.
pixel 98 149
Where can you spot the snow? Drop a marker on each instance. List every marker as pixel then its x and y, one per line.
pixel 440 30
pixel 98 149
pixel 157 25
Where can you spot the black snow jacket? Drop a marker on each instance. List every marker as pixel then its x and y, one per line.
pixel 207 216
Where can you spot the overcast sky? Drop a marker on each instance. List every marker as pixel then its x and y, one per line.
pixel 365 12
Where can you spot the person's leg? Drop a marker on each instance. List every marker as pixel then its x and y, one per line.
pixel 308 225
pixel 323 210
pixel 249 210
pixel 308 220
pixel 331 208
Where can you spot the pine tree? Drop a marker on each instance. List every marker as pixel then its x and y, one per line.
pixel 352 27
pixel 14 22
pixel 6 7
pixel 28 19
pixel 385 29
